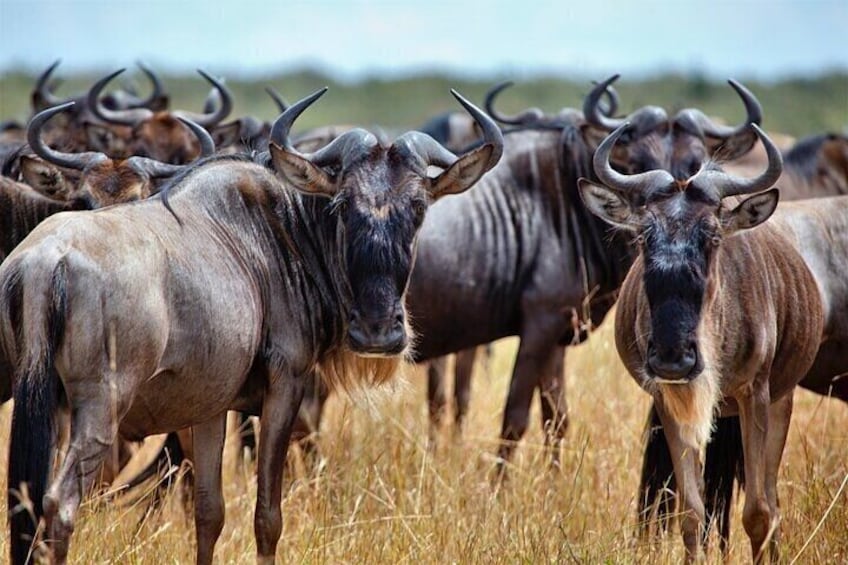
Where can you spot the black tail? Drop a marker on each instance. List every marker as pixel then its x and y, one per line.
pixel 33 419
pixel 723 464
pixel 656 486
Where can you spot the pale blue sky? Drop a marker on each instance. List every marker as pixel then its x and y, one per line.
pixel 767 39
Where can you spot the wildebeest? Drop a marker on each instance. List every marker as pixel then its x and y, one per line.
pixel 154 318
pixel 450 130
pixel 713 317
pixel 814 167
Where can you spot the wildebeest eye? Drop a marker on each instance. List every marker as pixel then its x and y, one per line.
pixel 640 240
pixel 715 240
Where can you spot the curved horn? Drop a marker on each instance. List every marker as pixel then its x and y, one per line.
pixel 527 116
pixel 612 99
pixel 592 110
pixel 220 114
pixel 628 185
pixel 422 150
pixel 156 169
pixel 492 134
pixel 728 185
pixel 282 125
pixel 282 104
pixel 121 117
pixel 78 161
pixel 331 153
pixel 157 92
pixel 753 110
pixel 42 98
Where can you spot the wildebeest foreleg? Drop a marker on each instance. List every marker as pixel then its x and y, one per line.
pixel 208 443
pixel 554 408
pixel 93 431
pixel 688 473
pixel 436 396
pixel 754 412
pixel 279 409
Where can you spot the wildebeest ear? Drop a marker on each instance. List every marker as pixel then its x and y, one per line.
pixel 99 138
pixel 43 177
pixel 462 175
pixel 225 135
pixel 752 212
pixel 608 205
pixel 301 173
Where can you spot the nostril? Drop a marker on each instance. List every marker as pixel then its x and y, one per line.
pixel 399 318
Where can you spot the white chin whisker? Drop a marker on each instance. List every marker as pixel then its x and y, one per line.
pixel 662 381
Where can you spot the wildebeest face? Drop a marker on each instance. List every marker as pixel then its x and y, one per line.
pixel 381 194
pixel 381 206
pixel 678 242
pixel 164 138
pixel 679 227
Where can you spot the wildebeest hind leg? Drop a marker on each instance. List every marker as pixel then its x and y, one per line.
pixel 208 441
pixel 93 431
pixel 436 396
pixel 279 409
pixel 554 408
pixel 463 371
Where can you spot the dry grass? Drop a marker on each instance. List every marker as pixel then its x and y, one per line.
pixel 380 496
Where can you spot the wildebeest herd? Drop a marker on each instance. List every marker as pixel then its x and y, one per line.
pixel 161 267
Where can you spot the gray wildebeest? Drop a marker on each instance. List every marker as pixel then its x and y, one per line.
pixel 708 321
pixel 146 318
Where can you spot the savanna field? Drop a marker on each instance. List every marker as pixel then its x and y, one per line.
pixel 378 494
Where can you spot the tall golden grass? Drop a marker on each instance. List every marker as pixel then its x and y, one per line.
pixel 378 495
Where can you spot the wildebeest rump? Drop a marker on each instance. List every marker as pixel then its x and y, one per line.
pixel 713 318
pixel 156 318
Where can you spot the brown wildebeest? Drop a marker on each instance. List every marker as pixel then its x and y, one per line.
pixel 155 318
pixel 92 177
pixel 814 167
pixel 160 135
pixel 80 129
pixel 707 321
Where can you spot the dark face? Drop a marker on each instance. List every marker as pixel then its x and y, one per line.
pixel 678 240
pixel 668 148
pixel 163 138
pixel 111 182
pixel 381 206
